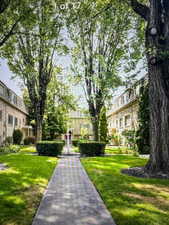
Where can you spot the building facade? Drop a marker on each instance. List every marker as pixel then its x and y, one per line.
pixel 13 114
pixel 80 125
pixel 123 114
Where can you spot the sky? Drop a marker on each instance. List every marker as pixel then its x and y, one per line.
pixel 16 85
pixel 6 77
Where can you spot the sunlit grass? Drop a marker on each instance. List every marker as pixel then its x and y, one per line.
pixel 22 186
pixel 28 149
pixel 131 200
pixel 118 150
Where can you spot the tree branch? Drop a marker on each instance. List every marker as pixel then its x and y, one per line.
pixel 10 33
pixel 140 9
pixel 4 5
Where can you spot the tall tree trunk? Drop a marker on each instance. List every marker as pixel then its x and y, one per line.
pixel 38 129
pixel 157 50
pixel 95 126
pixel 159 120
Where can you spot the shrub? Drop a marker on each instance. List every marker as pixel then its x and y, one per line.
pixel 29 140
pixel 75 142
pixel 49 148
pixel 91 148
pixel 9 149
pixel 8 141
pixel 130 136
pixel 17 136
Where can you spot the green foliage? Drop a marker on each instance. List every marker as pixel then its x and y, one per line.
pixel 75 142
pixel 8 140
pixel 143 138
pixel 49 148
pixel 59 102
pixel 130 136
pixel 103 126
pixel 30 54
pixel 84 132
pixel 29 140
pixel 9 149
pixel 116 139
pixel 91 148
pixel 17 136
pixel 99 47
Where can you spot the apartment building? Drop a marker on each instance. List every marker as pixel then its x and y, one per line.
pixel 13 114
pixel 80 124
pixel 123 114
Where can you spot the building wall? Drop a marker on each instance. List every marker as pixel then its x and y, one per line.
pixel 124 119
pixel 123 114
pixel 80 121
pixel 77 124
pixel 13 114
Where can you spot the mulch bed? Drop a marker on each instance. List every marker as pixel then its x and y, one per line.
pixel 140 172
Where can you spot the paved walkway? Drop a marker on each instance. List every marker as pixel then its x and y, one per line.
pixel 71 198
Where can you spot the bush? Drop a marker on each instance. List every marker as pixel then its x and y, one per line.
pixel 75 142
pixel 91 148
pixel 8 141
pixel 49 148
pixel 9 149
pixel 29 140
pixel 17 136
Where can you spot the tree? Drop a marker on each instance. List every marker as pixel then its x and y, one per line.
pixel 130 138
pixel 103 126
pixel 59 102
pixel 156 16
pixel 10 18
pixel 98 52
pixel 31 54
pixel 142 134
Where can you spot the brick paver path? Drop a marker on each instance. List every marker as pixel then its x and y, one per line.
pixel 71 198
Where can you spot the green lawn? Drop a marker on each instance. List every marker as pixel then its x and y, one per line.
pixel 131 201
pixel 118 150
pixel 22 186
pixel 28 149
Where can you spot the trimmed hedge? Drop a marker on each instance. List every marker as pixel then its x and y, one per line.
pixel 17 136
pixel 75 142
pixel 91 148
pixel 49 148
pixel 29 140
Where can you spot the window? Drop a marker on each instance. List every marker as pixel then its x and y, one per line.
pixel 127 120
pixel 122 100
pixel 16 121
pixel 121 122
pixel 0 115
pixel 116 123
pixel 10 119
pixel 15 99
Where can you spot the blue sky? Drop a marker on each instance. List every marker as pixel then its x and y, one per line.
pixel 6 77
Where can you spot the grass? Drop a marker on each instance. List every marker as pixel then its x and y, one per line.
pixel 112 150
pixel 28 149
pixel 131 200
pixel 118 150
pixel 22 186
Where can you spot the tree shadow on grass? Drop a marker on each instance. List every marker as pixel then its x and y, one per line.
pixel 131 200
pixel 21 187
